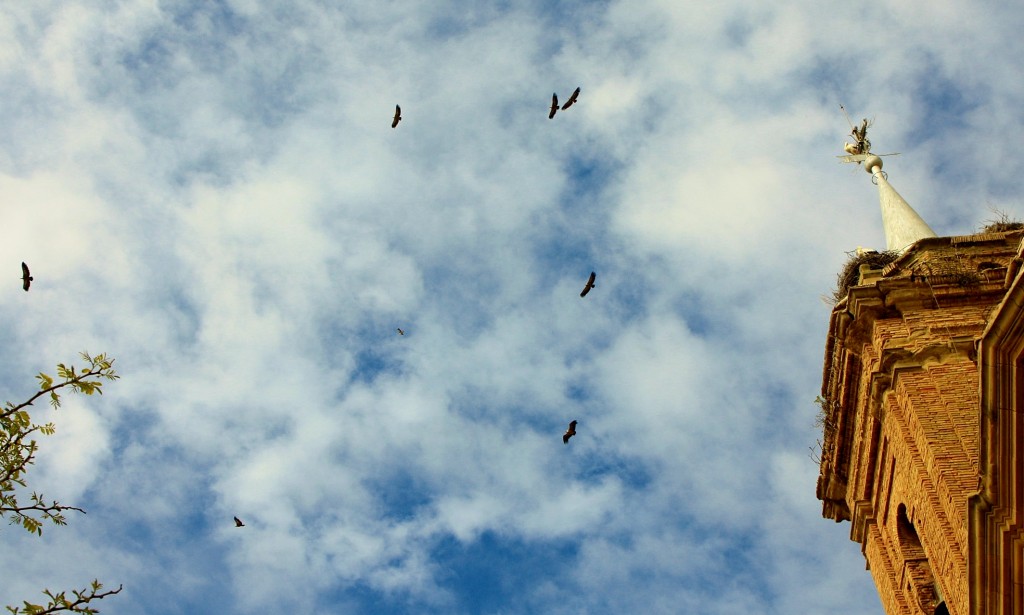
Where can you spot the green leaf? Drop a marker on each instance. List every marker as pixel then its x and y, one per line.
pixel 45 381
pixel 32 526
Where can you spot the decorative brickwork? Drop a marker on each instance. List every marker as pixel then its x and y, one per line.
pixel 906 445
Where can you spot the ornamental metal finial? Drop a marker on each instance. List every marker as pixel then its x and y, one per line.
pixel 860 149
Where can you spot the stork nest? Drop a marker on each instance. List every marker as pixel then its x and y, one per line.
pixel 1002 226
pixel 851 271
pixel 1002 223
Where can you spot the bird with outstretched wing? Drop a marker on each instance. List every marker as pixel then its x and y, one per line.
pixel 238 522
pixel 26 278
pixel 554 106
pixel 398 116
pixel 590 284
pixel 569 432
pixel 572 99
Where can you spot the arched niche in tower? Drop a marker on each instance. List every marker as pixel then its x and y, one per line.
pixel 910 543
pixel 920 582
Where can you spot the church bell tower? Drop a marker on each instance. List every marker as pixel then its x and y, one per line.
pixel 922 408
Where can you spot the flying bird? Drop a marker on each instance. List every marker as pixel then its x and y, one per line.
pixel 572 99
pixel 238 522
pixel 554 106
pixel 569 432
pixel 400 332
pixel 26 279
pixel 590 284
pixel 398 116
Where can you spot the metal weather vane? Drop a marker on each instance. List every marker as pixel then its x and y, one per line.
pixel 860 149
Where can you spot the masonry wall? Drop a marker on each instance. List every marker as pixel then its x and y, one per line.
pixel 926 432
pixel 924 461
pixel 901 448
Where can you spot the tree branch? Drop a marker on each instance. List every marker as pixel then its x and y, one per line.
pixel 16 455
pixel 59 603
pixel 71 382
pixel 14 470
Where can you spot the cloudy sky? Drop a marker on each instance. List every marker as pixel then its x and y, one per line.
pixel 211 192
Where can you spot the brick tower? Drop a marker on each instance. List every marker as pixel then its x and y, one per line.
pixel 922 406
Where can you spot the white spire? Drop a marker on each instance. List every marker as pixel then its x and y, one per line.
pixel 903 226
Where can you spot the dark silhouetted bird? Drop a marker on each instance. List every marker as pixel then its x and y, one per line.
pixel 26 279
pixel 572 99
pixel 590 284
pixel 569 432
pixel 238 522
pixel 400 332
pixel 554 106
pixel 398 116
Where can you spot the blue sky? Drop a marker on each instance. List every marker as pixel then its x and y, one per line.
pixel 211 192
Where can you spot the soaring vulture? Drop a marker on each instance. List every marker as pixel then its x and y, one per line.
pixel 554 106
pixel 569 432
pixel 400 332
pixel 398 116
pixel 238 522
pixel 26 279
pixel 590 284
pixel 572 99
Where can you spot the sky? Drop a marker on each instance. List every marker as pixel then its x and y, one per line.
pixel 212 193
